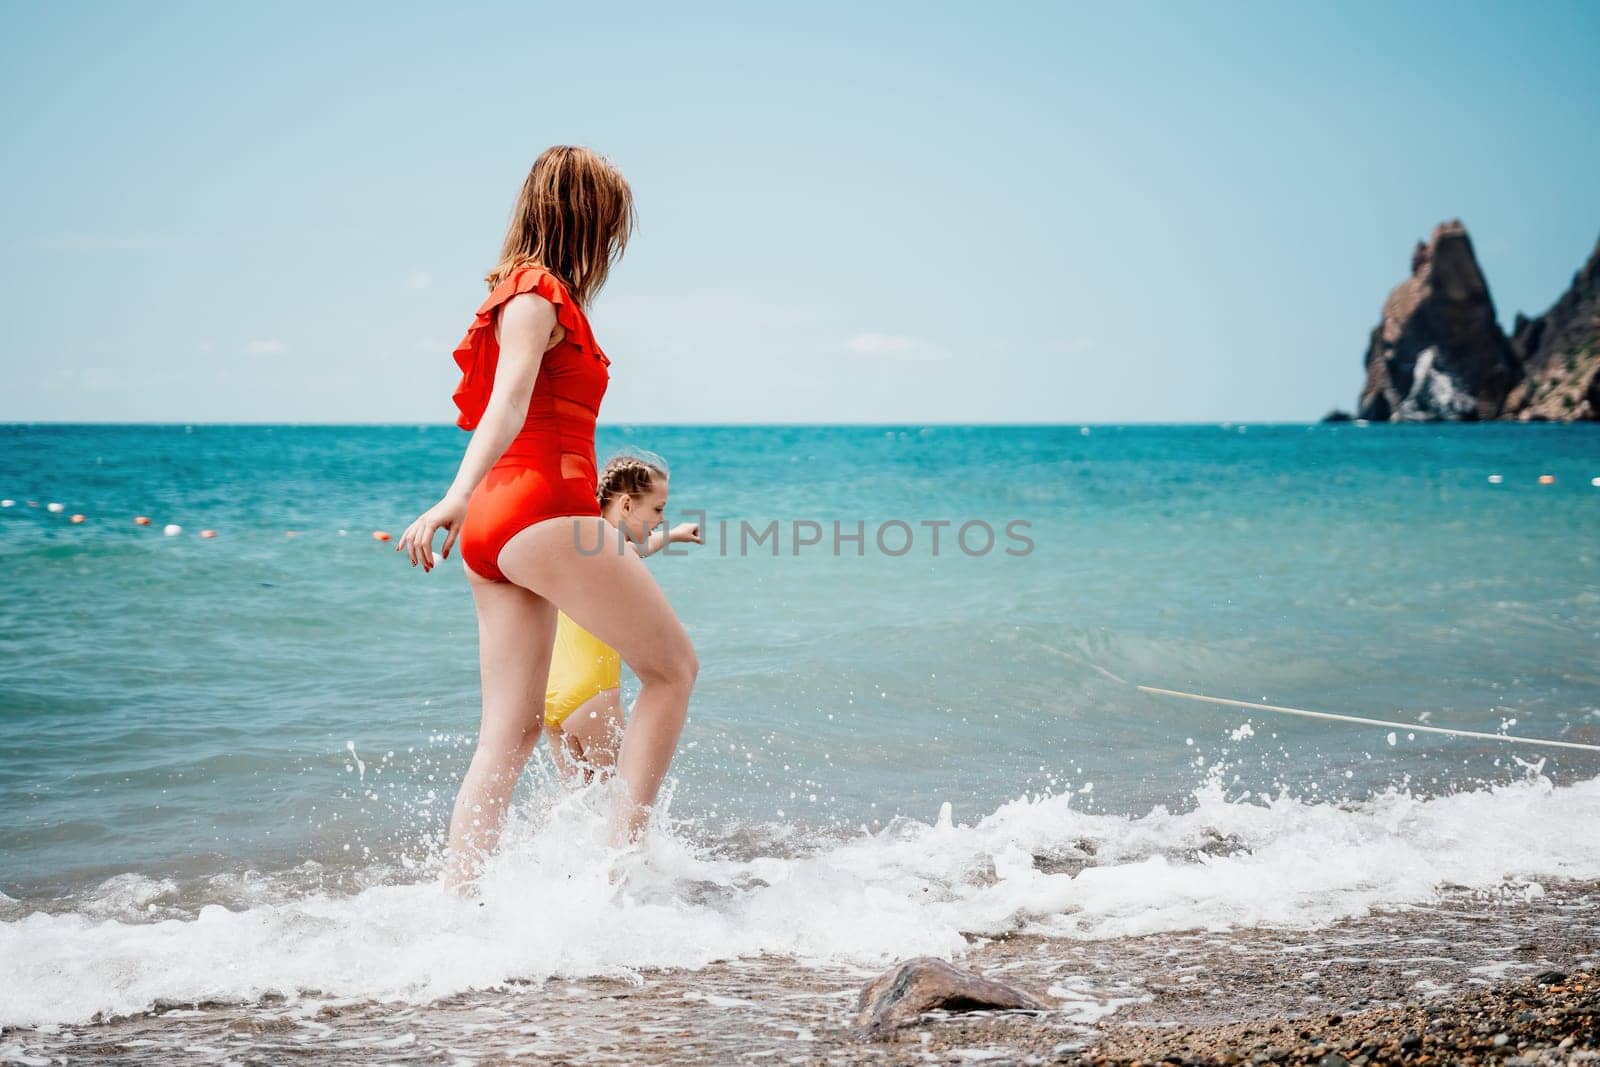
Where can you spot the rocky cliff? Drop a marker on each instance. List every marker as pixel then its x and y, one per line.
pixel 1438 351
pixel 1560 353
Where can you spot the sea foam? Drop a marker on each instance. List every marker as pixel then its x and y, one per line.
pixel 557 902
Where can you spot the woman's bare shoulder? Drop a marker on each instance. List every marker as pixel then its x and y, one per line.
pixel 526 318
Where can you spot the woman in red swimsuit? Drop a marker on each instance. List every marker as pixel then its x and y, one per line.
pixel 523 505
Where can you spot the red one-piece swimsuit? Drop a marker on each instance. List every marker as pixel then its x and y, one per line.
pixel 548 470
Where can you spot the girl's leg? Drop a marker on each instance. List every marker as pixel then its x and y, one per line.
pixel 610 593
pixel 591 735
pixel 515 631
pixel 568 758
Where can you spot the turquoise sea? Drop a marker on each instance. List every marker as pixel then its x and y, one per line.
pixel 202 736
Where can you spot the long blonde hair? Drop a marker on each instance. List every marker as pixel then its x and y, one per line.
pixel 573 217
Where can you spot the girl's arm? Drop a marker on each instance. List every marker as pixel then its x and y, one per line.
pixel 659 539
pixel 526 322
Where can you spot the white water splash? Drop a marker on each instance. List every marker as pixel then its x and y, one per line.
pixel 548 907
pixel 361 768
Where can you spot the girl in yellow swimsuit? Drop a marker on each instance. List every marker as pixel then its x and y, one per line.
pixel 583 700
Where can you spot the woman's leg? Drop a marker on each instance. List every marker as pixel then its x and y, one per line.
pixel 610 593
pixel 590 736
pixel 515 631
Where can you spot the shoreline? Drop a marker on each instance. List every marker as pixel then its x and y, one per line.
pixel 1452 975
pixel 1554 1018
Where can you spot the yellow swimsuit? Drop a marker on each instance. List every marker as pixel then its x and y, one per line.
pixel 581 667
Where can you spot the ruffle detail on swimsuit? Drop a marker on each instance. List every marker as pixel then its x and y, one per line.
pixel 479 351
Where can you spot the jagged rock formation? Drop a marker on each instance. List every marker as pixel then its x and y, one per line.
pixel 1560 353
pixel 1439 352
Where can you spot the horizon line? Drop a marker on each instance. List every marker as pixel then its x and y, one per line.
pixel 317 424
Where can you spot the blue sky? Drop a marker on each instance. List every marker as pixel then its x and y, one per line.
pixel 898 212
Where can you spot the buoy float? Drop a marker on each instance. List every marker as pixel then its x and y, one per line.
pixel 172 529
pixel 54 507
pixel 13 503
pixel 1496 479
pixel 1547 479
pixel 77 519
pixel 141 520
pixel 208 534
pixel 379 535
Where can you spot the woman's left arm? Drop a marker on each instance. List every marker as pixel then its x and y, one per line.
pixel 525 325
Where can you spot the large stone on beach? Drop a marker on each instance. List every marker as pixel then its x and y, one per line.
pixel 1438 352
pixel 904 992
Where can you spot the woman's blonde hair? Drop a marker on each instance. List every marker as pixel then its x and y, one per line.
pixel 629 474
pixel 573 217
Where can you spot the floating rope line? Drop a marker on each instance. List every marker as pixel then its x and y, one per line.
pixel 1368 722
pixel 1251 706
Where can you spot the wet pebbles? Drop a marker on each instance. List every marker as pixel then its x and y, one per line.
pixel 1553 1019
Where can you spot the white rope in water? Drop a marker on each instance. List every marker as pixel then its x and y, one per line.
pixel 1407 726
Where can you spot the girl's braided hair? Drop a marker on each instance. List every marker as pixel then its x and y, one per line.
pixel 631 473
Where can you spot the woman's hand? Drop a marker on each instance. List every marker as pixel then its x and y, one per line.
pixel 686 531
pixel 417 541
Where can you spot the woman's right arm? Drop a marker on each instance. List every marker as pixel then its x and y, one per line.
pixel 526 323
